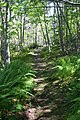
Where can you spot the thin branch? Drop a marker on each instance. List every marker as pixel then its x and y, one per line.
pixel 71 3
pixel 68 2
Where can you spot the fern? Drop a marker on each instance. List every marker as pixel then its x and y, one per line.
pixel 16 82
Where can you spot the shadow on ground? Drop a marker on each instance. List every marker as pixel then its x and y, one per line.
pixel 49 99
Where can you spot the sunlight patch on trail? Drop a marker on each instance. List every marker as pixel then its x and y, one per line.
pixel 41 87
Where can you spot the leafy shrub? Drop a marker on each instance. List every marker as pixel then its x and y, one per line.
pixel 68 69
pixel 73 96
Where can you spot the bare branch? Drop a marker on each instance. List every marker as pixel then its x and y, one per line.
pixel 71 3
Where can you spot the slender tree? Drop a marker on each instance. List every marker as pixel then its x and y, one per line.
pixel 60 29
pixel 6 43
pixel 46 30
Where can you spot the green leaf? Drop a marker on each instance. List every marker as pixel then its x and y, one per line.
pixel 60 67
pixel 19 106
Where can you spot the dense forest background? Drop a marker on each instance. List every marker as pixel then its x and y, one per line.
pixel 50 23
pixel 53 26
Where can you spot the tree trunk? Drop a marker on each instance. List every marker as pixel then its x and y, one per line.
pixel 46 29
pixel 21 37
pixel 1 34
pixel 60 30
pixel 35 37
pixel 44 37
pixel 6 43
pixel 23 28
pixel 67 25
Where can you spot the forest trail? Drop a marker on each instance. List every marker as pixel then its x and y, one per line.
pixel 49 97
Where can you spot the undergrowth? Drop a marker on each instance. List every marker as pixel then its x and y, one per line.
pixel 16 86
pixel 67 71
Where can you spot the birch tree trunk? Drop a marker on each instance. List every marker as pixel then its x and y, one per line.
pixel 1 34
pixel 6 43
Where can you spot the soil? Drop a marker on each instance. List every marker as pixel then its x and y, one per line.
pixel 49 100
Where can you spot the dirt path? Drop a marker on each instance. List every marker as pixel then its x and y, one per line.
pixel 49 97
